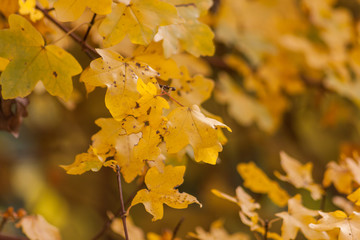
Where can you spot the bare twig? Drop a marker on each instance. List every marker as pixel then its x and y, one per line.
pixel 87 48
pixel 89 28
pixel 123 212
pixel 108 222
pixel 177 227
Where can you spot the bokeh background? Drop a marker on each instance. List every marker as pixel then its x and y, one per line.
pixel 294 69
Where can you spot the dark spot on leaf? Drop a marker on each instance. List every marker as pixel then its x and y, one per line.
pixel 148 111
pixel 146 123
pixel 22 29
pixel 55 74
pixel 137 105
pixel 137 64
pixel 178 93
pixel 157 132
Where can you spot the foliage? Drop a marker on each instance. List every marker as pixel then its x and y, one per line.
pixel 285 75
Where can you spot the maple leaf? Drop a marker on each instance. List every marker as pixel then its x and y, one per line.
pixel 84 162
pixel 242 107
pixel 187 125
pixel 139 19
pixel 191 90
pixel 153 55
pixel 349 225
pixel 189 34
pixel 161 190
pixel 112 141
pixel 299 175
pixel 28 7
pixel 37 228
pixel 340 175
pixel 150 105
pixel 32 61
pixel 217 232
pixel 355 197
pixel 257 181
pixel 299 217
pixel 120 77
pixel 70 10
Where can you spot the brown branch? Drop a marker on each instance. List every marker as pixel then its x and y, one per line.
pixel 123 212
pixel 89 50
pixel 177 227
pixel 4 237
pixel 89 28
pixel 108 222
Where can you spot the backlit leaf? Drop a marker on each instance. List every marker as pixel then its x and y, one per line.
pixel 187 125
pixel 161 190
pixel 32 61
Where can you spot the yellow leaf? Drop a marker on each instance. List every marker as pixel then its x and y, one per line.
pixel 299 217
pixel 37 228
pixel 3 63
pixel 257 181
pixel 70 10
pixel 161 190
pixel 191 90
pixel 154 56
pixel 340 175
pixel 120 77
pixel 150 106
pixel 355 197
pixel 299 175
pixel 243 108
pixel 32 61
pixel 139 19
pixel 217 232
pixel 28 7
pixel 112 141
pixel 349 225
pixel 84 162
pixel 187 125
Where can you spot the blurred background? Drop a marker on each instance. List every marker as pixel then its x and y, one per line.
pixel 287 78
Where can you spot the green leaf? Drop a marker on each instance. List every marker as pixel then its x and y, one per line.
pixel 31 61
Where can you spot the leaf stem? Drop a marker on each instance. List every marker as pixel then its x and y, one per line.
pixel 123 212
pixel 177 227
pixel 266 229
pixel 89 28
pixel 89 50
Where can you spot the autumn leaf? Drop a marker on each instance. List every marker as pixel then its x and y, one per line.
pixel 349 226
pixel 355 197
pixel 161 190
pixel 257 181
pixel 28 7
pixel 189 34
pixel 37 228
pixel 299 217
pixel 153 55
pixel 191 90
pixel 299 175
pixel 32 61
pixel 120 76
pixel 217 232
pixel 84 162
pixel 70 10
pixel 139 19
pixel 340 175
pixel 187 125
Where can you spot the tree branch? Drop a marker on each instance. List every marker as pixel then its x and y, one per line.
pixel 86 47
pixel 176 229
pixel 123 212
pixel 89 28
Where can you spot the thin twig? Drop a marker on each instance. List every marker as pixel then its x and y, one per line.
pixel 108 222
pixel 68 33
pixel 87 48
pixel 266 227
pixel 123 212
pixel 89 28
pixel 176 229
